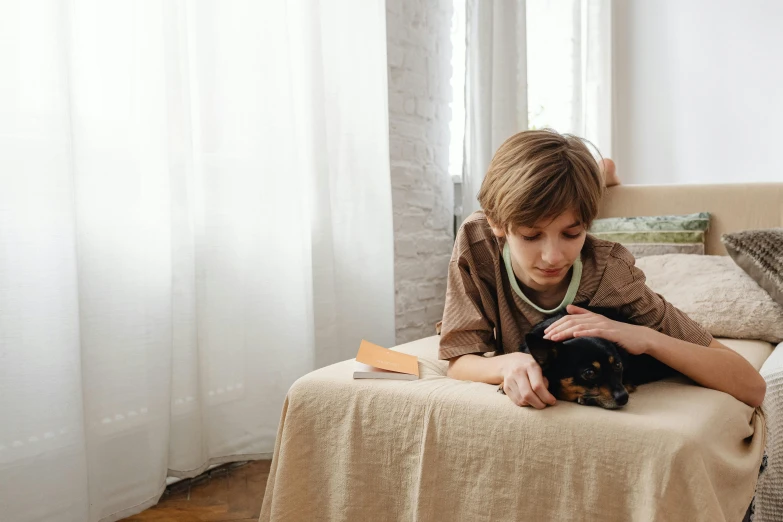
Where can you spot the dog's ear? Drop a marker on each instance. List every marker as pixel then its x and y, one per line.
pixel 543 351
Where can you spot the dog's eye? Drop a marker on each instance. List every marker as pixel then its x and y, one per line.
pixel 617 367
pixel 589 374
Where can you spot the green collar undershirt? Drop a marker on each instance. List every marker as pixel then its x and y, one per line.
pixel 573 286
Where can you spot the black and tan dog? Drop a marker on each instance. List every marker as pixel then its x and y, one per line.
pixel 590 370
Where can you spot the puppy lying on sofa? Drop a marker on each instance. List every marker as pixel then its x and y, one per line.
pixel 590 370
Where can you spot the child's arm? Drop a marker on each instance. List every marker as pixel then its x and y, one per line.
pixel 520 374
pixel 469 318
pixel 715 366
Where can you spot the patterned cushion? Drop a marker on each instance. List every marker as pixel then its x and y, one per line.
pixel 654 235
pixel 760 254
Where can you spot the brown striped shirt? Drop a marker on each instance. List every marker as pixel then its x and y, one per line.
pixel 484 314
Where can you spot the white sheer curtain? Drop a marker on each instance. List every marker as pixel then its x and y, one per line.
pixel 592 99
pixel 195 210
pixel 535 63
pixel 496 86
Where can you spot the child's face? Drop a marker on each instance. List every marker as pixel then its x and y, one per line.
pixel 542 255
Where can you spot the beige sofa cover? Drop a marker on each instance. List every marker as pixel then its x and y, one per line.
pixel 442 449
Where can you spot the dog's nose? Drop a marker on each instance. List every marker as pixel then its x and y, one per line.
pixel 621 397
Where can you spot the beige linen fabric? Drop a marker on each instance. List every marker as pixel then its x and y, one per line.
pixel 442 449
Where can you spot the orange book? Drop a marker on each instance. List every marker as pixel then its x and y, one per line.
pixel 377 362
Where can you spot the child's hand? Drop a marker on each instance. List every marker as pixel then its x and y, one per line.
pixel 523 381
pixel 584 323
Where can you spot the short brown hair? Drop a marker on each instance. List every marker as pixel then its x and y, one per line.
pixel 539 174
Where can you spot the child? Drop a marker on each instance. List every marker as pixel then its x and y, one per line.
pixel 527 255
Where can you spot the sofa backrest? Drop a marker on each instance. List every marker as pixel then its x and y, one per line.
pixel 733 207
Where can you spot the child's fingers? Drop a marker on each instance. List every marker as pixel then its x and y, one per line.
pixel 539 386
pixel 568 321
pixel 523 394
pixel 511 390
pixel 568 332
pixel 595 332
pixel 556 324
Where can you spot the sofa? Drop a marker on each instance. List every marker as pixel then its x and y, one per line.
pixel 442 449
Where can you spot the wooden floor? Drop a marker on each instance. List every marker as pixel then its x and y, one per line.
pixel 222 494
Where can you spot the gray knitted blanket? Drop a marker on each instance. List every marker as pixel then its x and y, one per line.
pixel 769 492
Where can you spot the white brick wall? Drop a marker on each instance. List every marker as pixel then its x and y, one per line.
pixel 419 55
